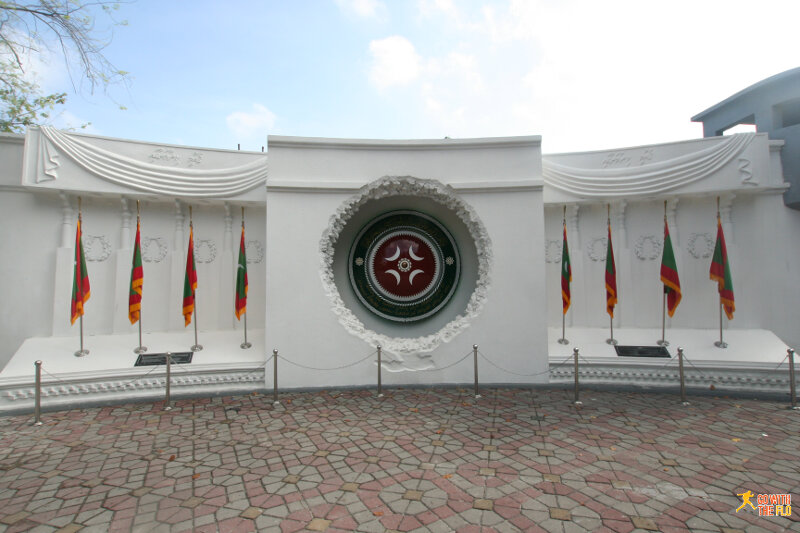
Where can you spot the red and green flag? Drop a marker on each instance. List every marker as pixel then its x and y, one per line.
pixel 611 276
pixel 566 273
pixel 137 278
pixel 721 273
pixel 241 280
pixel 80 280
pixel 190 282
pixel 669 273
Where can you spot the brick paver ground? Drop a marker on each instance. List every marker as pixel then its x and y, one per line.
pixel 417 460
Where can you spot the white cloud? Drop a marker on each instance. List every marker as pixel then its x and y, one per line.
pixel 394 62
pixel 253 125
pixel 362 8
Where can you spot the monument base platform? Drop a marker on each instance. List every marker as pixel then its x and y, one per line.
pixel 754 361
pixel 108 374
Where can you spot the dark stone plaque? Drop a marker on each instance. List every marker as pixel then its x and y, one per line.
pixel 642 351
pixel 150 359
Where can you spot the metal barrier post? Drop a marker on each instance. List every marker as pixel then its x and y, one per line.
pixel 791 380
pixel 37 405
pixel 380 387
pixel 475 356
pixel 680 372
pixel 577 389
pixel 167 406
pixel 275 377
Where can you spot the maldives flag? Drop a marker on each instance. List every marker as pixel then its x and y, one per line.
pixel 721 273
pixel 190 282
pixel 241 281
pixel 137 278
pixel 611 277
pixel 669 274
pixel 566 273
pixel 80 280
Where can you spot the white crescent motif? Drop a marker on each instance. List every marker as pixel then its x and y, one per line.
pixel 395 274
pixel 395 255
pixel 414 273
pixel 413 255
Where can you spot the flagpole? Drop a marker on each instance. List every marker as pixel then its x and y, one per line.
pixel 245 345
pixel 663 341
pixel 612 341
pixel 197 346
pixel 81 352
pixel 141 349
pixel 563 339
pixel 720 343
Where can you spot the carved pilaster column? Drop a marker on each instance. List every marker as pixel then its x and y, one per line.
pixel 672 207
pixel 228 272
pixel 67 216
pixel 177 270
pixel 179 226
pixel 572 224
pixel 227 238
pixel 725 207
pixel 618 221
pixel 125 230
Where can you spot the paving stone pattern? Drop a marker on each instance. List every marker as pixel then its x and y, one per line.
pixel 433 460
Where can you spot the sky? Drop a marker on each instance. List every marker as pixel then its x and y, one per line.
pixel 583 74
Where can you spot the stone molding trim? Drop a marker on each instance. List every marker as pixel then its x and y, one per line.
pixel 750 378
pixel 406 186
pixel 647 179
pixel 149 177
pixel 82 390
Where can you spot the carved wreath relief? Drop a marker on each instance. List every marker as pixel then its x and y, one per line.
pixel 96 247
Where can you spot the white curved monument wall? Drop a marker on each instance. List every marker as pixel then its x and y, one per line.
pixel 742 170
pixel 498 180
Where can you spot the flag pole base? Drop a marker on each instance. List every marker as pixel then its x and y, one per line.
pixel 168 408
pixel 612 342
pixel 140 349
pixel 245 345
pixel 684 403
pixel 721 344
pixel 81 353
pixel 577 404
pixel 563 341
pixel 662 342
pixel 197 347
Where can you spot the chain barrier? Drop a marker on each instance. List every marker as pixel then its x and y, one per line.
pixel 520 374
pixel 332 368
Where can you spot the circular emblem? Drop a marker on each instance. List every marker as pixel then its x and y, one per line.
pixel 404 266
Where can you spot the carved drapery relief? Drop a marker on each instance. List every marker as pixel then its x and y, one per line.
pixel 618 178
pixel 149 177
